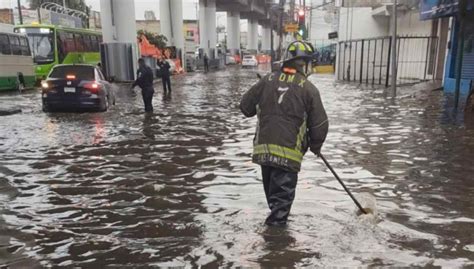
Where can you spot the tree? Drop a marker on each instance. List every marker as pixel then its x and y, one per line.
pixel 158 40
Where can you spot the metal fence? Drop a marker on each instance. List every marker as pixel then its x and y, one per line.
pixel 368 60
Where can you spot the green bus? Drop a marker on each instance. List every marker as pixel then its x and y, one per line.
pixel 16 65
pixel 51 45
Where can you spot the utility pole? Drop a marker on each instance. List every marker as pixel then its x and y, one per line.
pixel 394 49
pixel 64 3
pixel 20 16
pixel 460 50
pixel 282 9
pixel 272 49
pixel 305 36
pixel 310 26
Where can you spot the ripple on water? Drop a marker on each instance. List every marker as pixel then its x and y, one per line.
pixel 177 188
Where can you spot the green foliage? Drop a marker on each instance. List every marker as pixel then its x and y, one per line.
pixel 158 40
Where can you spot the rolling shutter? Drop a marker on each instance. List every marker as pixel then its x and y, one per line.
pixel 468 59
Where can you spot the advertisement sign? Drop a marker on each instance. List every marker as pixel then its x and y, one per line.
pixel 291 27
pixel 51 17
pixel 332 35
pixel 94 20
pixel 6 15
pixel 432 9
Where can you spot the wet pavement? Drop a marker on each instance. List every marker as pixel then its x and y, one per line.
pixel 177 188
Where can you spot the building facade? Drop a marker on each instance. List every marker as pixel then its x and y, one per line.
pixel 365 44
pixel 448 11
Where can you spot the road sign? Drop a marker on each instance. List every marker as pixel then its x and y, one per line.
pixel 333 35
pixel 291 27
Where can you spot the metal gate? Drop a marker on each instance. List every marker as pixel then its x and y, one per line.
pixel 368 60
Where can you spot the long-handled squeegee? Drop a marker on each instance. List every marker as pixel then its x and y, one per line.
pixel 343 185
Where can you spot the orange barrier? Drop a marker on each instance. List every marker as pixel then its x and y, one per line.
pixel 178 68
pixel 149 50
pixel 263 58
pixel 237 58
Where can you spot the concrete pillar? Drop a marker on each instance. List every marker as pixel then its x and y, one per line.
pixel 118 21
pixel 120 52
pixel 165 20
pixel 233 32
pixel 207 27
pixel 266 39
pixel 252 36
pixel 171 22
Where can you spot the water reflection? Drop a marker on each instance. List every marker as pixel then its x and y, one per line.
pixel 177 188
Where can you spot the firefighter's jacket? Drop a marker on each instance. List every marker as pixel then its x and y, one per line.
pixel 291 118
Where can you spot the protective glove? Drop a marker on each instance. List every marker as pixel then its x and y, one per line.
pixel 317 152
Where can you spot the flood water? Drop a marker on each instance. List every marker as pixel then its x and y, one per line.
pixel 177 188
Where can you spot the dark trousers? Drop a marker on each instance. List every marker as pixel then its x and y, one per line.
pixel 206 66
pixel 147 95
pixel 280 187
pixel 166 84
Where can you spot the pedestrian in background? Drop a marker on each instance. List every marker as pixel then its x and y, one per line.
pixel 165 76
pixel 206 63
pixel 145 82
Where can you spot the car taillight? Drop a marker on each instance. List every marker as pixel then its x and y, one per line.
pixel 71 77
pixel 93 87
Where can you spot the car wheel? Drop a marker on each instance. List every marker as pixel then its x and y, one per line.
pixel 46 108
pixel 106 104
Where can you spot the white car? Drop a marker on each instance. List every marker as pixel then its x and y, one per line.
pixel 249 60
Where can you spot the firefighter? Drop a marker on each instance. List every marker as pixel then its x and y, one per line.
pixel 291 119
pixel 145 82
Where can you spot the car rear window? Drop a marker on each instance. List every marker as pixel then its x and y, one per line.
pixel 248 57
pixel 80 72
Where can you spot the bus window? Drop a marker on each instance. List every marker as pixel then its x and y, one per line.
pixel 41 45
pixel 25 49
pixel 60 47
pixel 87 43
pixel 79 41
pixel 94 43
pixel 5 45
pixel 68 42
pixel 15 45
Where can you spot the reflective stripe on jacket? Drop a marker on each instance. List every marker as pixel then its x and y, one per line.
pixel 291 118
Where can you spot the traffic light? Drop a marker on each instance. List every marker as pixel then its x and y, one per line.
pixel 301 17
pixel 302 24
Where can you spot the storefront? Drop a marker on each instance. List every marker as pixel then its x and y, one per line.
pixel 433 9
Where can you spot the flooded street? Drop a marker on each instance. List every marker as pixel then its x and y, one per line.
pixel 177 188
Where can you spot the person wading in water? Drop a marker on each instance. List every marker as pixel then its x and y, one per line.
pixel 291 119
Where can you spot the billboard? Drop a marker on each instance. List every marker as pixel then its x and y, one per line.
pixel 6 15
pixel 432 9
pixel 51 17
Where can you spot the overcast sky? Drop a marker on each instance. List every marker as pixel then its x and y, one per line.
pixel 189 8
